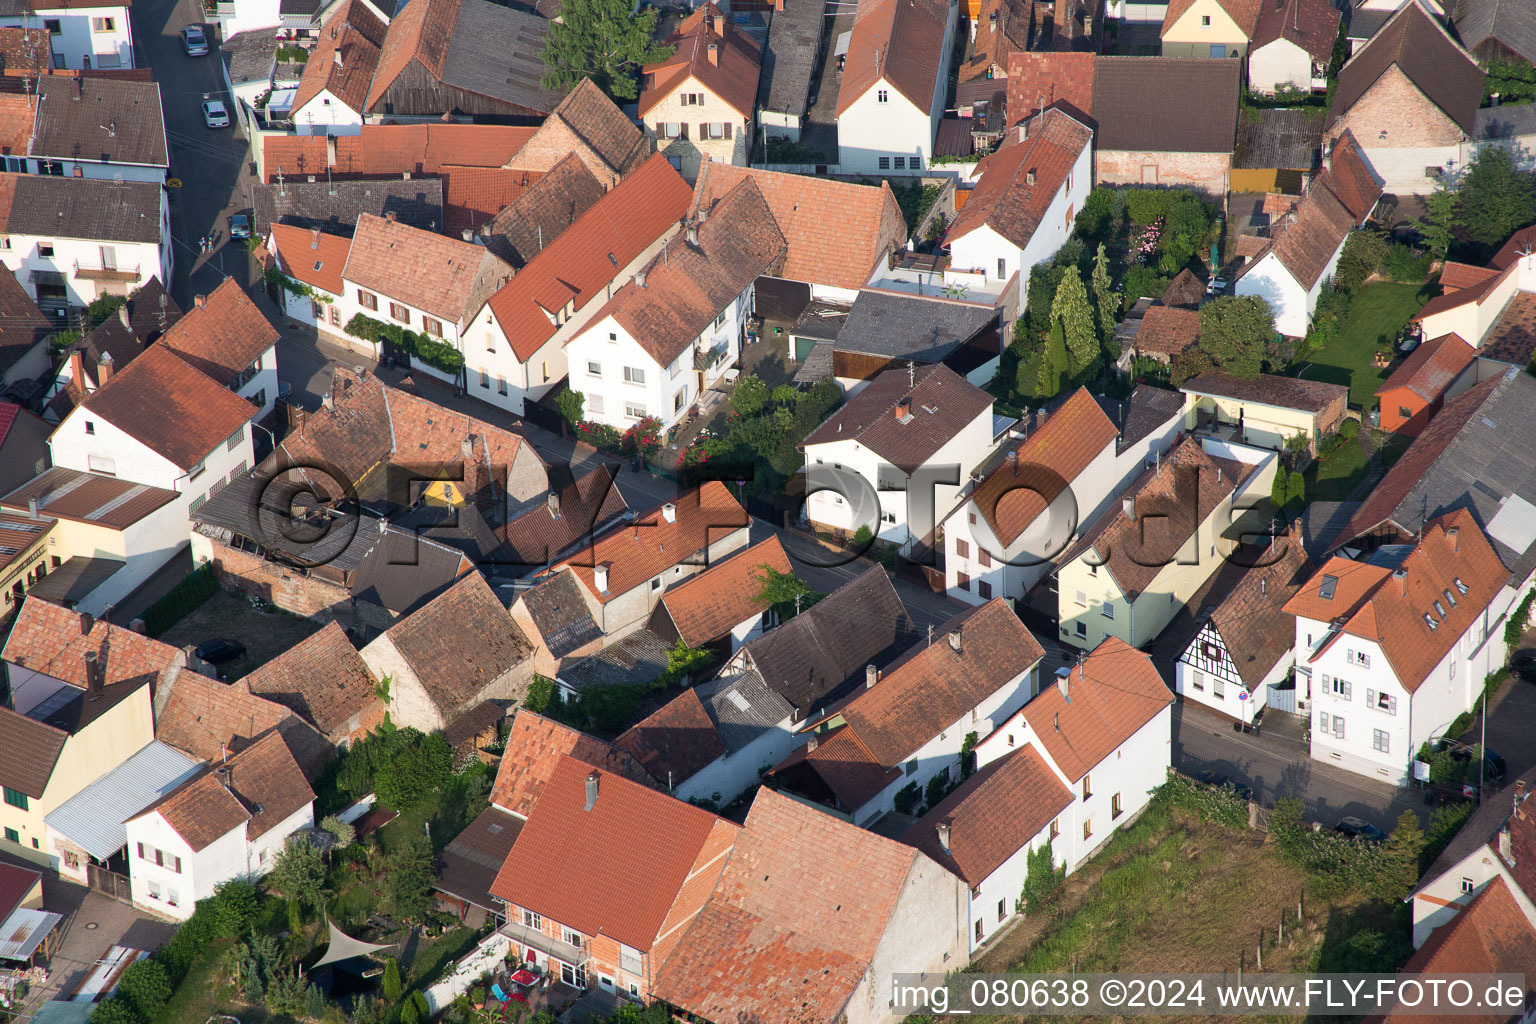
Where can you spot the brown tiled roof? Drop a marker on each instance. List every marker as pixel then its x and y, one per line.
pixel 1244 12
pixel 606 137
pixel 899 41
pixel 223 337
pixel 474 195
pixel 1422 50
pixel 439 275
pixel 324 680
pixel 1039 80
pixel 1049 459
pixel 689 283
pixel 22 324
pixel 836 231
pixel 16 884
pixel 1166 104
pixel 46 638
pixel 941 404
pixel 388 150
pixel 1456 276
pixel 1268 388
pixel 1168 330
pixel 540 535
pixel 675 742
pixel 207 718
pixel 522 229
pixel 459 642
pixel 709 50
pixel 1002 29
pixel 1312 25
pixel 25 49
pixel 584 260
pixel 707 606
pixel 1171 501
pixel 422 33
pixel 1254 628
pixel 794 923
pixel 1474 291
pixel 1305 247
pixel 258 788
pixel 1522 241
pixel 644 548
pixel 468 865
pixel 1019 182
pixel 1351 180
pixel 535 745
pixel 102 500
pixel 1431 368
pixel 840 765
pixel 17 117
pixel 28 751
pixel 170 406
pixel 992 815
pixel 1185 289
pixel 1115 691
pixel 629 828
pixel 357 35
pixel 1492 935
pixel 315 258
pixel 200 810
pixel 1351 583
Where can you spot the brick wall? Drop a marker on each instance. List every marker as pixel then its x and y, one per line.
pixel 553 142
pixel 1395 105
pixel 1206 171
pixel 293 591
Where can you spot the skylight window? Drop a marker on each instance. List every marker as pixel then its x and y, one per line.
pixel 1460 585
pixel 1430 619
pixel 1439 609
pixel 1329 584
pixel 1450 598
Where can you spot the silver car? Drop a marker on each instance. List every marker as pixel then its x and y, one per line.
pixel 215 114
pixel 194 40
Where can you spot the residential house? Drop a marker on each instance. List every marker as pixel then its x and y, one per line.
pixel 674 331
pixel 713 741
pixel 1038 80
pixel 909 434
pixel 1292 46
pixel 1075 26
pixel 230 821
pixel 837 911
pixel 73 240
pixel 1440 604
pixel 97 35
pixel 313 260
pixel 23 446
pixel 1438 370
pixel 611 936
pixel 999 30
pixel 720 608
pixel 1410 97
pixel 1490 308
pixel 451 282
pixel 24 560
pixel 556 616
pixel 1135 566
pixel 624 573
pixel 1266 411
pixel 1166 333
pixel 451 655
pixel 333 92
pixel 107 128
pixel 791 60
pixel 590 125
pixel 1184 138
pixel 894 83
pixel 1291 274
pixel 699 102
pixel 903 735
pixel 819 262
pixel 535 748
pixel 78 706
pixel 336 206
pixel 520 230
pixel 639 658
pixel 87 832
pixel 227 337
pixel 1495 29
pixel 570 518
pixel 109 346
pixel 1209 28
pixel 467 866
pixel 524 328
pixel 208 720
pixel 23 331
pixel 326 682
pixel 1022 209
pixel 1239 661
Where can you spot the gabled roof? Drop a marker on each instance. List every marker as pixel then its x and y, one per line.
pixel 629 828
pixel 112 121
pixel 29 749
pixel 1491 935
pixel 207 719
pixel 1168 330
pixel 1519 243
pixel 709 605
pixel 535 746
pixel 139 321
pixel 16 884
pixel 444 277
pixel 902 325
pixel 1114 691
pixel 1509 23
pixel 1048 461
pixel 345 57
pixel 323 679
pixel 90 497
pixel 1244 12
pixel 312 257
pixel 1305 246
pixel 1166 104
pixel 642 549
pixel 578 265
pixel 694 278
pixel 896 41
pixel 522 229
pixel 388 150
pixel 22 324
pixel 1350 180
pixel 467 866
pixel 1335 591
pixel 1431 368
pixel 559 612
pixel 53 640
pixel 712 52
pixel 90 209
pixel 676 741
pixel 992 815
pixel 1253 625
pixel 1267 389
pixel 549 530
pixel 223 335
pixel 589 124
pixel 1423 51
pixel 836 231
pixel 93 818
pixel 1455 277
pixel 422 32
pixel 1019 182
pixel 335 206
pixel 1002 29
pixel 1312 25
pixel 795 920
pixel 1040 80
pixel 941 403
pixel 459 643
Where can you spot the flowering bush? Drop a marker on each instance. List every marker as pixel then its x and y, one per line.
pixel 1144 245
pixel 600 435
pixel 643 438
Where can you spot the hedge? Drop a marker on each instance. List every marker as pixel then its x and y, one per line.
pixel 437 354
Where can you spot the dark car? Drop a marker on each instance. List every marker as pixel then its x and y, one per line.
pixel 1355 828
pixel 1523 664
pixel 239 226
pixel 1220 781
pixel 217 652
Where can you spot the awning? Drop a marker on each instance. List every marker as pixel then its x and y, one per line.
pixel 843 39
pixel 24 931
pixel 345 947
pixel 93 818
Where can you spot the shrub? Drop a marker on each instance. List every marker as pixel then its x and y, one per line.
pixel 392 986
pixel 1515 628
pixel 1405 264
pixel 1220 805
pixel 299 874
pixel 938 788
pixel 570 405
pixel 232 907
pixel 750 395
pixel 1096 219
pixel 541 691
pixel 115 1011
pixel 1364 253
pixel 146 988
pixel 1145 205
pixel 1143 282
pixel 906 798
pixel 863 537
pixel 1043 881
pixel 1296 491
pixel 1349 429
pixel 419 765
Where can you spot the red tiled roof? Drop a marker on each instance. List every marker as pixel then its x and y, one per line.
pixel 535 745
pixel 1350 178
pixel 1352 583
pixel 709 605
pixel 207 719
pixel 629 832
pixel 676 741
pixel 1019 182
pixel 444 277
pixel 522 229
pixel 1312 25
pixel 1306 245
pixel 323 679
pixel 897 41
pixel 711 51
pixel 16 883
pixel 841 765
pixel 1040 80
pixel 387 150
pixel 224 336
pixel 47 638
pixel 1432 368
pixel 1002 29
pixel 1168 330
pixel 1456 276
pixel 576 267
pixel 1472 292
pixel 18 115
pixel 315 258
pixel 355 33
pixel 472 196
pixel 258 788
pixel 1115 691
pixel 170 407
pixel 1519 243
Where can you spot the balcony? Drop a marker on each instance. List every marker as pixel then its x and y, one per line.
pixel 123 275
pixel 524 936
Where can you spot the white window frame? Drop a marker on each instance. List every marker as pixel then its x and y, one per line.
pixel 634 375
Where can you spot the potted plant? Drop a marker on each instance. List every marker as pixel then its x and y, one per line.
pixel 477 996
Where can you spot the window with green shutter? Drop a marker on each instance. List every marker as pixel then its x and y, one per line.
pixel 15 798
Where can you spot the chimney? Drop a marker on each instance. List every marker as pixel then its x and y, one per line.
pixel 553 504
pixel 389 215
pixel 1012 458
pixel 467 235
pixel 592 779
pixel 1401 575
pixel 1064 684
pixel 640 279
pixel 942 828
pixel 405 176
pixel 77 369
pixel 104 368
pixel 87 623
pixel 200 301
pixel 693 235
pixel 871 676
pixel 600 577
pixel 467 448
pixel 1218 474
pixel 330 151
pixel 1029 177
pixel 812 743
pixel 669 512
pixel 778 5
pixel 78 87
pixel 1128 506
pixel 954 640
pixel 904 410
pixel 1455 534
pixel 336 53
pixel 714 53
pixel 32 508
pixel 92 672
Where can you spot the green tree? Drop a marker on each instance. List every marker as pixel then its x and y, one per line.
pixel 1496 197
pixel 785 592
pixel 345 834
pixel 1438 225
pixel 750 395
pixel 1054 364
pixel 1235 331
pixel 392 986
pixel 541 691
pixel 1364 253
pixel 684 661
pixel 146 988
pixel 1043 880
pixel 1071 310
pixel 299 874
pixel 232 907
pixel 115 1011
pixel 1296 492
pixel 1105 300
pixel 603 40
pixel 314 1003
pixel 408 881
pixel 570 405
pixel 419 765
pixel 1400 858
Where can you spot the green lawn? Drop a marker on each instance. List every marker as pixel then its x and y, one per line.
pixel 1377 314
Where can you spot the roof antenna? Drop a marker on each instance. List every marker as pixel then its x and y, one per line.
pixel 911 374
pixel 930 634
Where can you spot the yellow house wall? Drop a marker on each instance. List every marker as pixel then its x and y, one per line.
pixel 1186 36
pixel 1266 425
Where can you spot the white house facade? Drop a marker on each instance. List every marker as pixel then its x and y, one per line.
pixel 888 122
pixel 83 37
pixel 1282 64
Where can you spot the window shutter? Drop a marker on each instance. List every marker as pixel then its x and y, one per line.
pixel 1370 698
pixel 177 868
pixel 727 129
pixel 1325 680
pixel 1346 689
pixel 683 129
pixel 703 130
pixel 1392 704
pixel 141 850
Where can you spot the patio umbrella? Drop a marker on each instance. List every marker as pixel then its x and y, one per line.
pixel 345 947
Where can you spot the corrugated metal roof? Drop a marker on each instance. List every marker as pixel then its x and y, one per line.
pixel 24 931
pixel 93 818
pixel 1514 524
pixel 57 1011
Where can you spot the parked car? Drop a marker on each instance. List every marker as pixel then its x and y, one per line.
pixel 1220 781
pixel 239 226
pixel 215 114
pixel 217 652
pixel 194 40
pixel 1494 768
pixel 1355 828
pixel 1523 664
